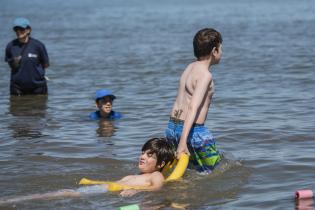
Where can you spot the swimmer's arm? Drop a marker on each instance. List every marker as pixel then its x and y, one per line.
pixel 156 182
pixel 196 100
pixel 49 195
pixel 58 194
pixel 68 192
pixel 64 193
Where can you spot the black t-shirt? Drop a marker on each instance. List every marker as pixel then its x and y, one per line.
pixel 30 73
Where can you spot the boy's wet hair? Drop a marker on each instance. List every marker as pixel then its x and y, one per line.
pixel 161 148
pixel 204 42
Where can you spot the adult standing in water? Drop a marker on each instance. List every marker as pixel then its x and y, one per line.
pixel 28 59
pixel 186 130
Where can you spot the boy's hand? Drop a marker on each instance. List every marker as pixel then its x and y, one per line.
pixel 182 148
pixel 128 193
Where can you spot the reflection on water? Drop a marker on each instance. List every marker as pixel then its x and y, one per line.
pixel 151 205
pixel 304 204
pixel 28 105
pixel 106 128
pixel 29 116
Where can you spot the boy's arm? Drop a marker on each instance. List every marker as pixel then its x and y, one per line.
pixel 196 100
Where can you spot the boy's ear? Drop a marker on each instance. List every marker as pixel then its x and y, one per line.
pixel 28 31
pixel 96 104
pixel 214 51
pixel 161 165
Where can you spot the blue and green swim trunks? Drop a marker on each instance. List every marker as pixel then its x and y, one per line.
pixel 204 155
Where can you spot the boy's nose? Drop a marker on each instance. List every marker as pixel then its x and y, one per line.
pixel 143 156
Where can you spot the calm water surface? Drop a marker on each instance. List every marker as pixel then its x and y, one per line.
pixel 262 115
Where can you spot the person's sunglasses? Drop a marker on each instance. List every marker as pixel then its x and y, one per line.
pixel 17 28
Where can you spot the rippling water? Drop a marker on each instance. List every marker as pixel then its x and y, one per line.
pixel 262 116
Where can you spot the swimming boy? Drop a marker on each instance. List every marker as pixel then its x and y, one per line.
pixel 186 130
pixel 156 153
pixel 104 102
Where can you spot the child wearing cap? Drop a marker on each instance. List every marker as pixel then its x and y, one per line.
pixel 104 102
pixel 28 59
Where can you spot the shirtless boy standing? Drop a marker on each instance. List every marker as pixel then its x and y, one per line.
pixel 186 130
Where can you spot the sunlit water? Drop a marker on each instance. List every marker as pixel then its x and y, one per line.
pixel 262 115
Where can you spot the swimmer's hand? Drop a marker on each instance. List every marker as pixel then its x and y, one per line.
pixel 128 193
pixel 182 148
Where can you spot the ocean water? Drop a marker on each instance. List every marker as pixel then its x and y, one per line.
pixel 262 114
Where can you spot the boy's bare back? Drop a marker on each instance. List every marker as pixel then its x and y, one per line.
pixel 196 88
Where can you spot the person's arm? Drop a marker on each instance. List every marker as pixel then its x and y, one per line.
pixel 14 62
pixel 193 108
pixel 49 195
pixel 8 56
pixel 85 190
pixel 44 59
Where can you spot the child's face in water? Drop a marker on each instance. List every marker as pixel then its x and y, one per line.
pixel 105 104
pixel 147 162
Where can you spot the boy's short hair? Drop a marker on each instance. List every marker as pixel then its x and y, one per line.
pixel 161 148
pixel 204 42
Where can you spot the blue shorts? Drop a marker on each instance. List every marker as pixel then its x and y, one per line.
pixel 203 153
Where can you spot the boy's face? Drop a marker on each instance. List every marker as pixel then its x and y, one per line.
pixel 217 53
pixel 147 162
pixel 21 33
pixel 105 104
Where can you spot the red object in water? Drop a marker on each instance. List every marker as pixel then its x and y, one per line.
pixel 300 194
